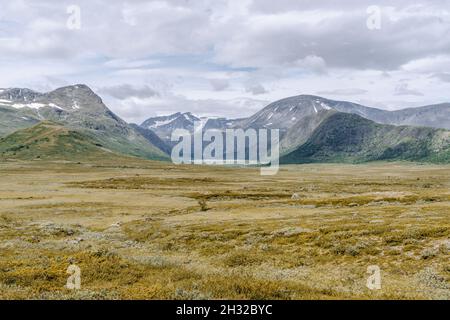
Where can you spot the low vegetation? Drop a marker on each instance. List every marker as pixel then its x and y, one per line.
pixel 149 230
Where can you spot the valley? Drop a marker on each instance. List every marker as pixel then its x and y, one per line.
pixel 80 188
pixel 142 229
pixel 211 157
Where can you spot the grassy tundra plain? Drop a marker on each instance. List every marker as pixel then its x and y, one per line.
pixel 150 230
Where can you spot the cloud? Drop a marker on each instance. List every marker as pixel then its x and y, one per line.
pixel 403 90
pixel 220 50
pixel 137 110
pixel 343 92
pixel 338 35
pixel 312 63
pixel 443 76
pixel 255 89
pixel 434 63
pixel 236 33
pixel 131 63
pixel 125 91
pixel 219 84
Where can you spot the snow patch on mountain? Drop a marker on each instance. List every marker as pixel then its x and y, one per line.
pixel 75 105
pixel 28 105
pixel 160 123
pixel 55 106
pixel 325 106
pixel 35 105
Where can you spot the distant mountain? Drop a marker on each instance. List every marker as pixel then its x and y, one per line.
pixel 343 137
pixel 300 132
pixel 283 114
pixel 163 126
pixel 49 140
pixel 436 116
pixel 23 95
pixel 297 117
pixel 152 137
pixel 76 107
pixel 287 113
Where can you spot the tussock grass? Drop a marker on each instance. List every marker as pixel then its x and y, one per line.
pixel 147 230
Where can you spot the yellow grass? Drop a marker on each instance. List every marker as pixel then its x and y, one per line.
pixel 149 230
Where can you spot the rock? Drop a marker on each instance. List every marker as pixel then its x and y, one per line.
pixel 35 239
pixel 75 241
pixel 446 244
pixel 428 253
pixel 116 224
pixel 431 278
pixel 290 231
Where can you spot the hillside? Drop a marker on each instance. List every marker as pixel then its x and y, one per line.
pixel 343 137
pixel 50 140
pixel 153 137
pixel 300 132
pixel 76 107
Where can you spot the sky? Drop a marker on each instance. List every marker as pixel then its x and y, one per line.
pixel 229 58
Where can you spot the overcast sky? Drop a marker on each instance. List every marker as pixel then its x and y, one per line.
pixel 229 58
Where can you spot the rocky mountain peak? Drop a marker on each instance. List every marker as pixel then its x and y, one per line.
pixel 74 97
pixel 19 94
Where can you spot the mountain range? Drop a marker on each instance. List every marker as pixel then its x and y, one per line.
pixel 286 113
pixel 312 128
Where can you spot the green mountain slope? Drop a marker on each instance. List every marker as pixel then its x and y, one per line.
pixel 79 108
pixel 12 120
pixel 152 137
pixel 299 133
pixel 51 141
pixel 344 137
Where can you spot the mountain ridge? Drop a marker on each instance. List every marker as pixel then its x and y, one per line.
pixel 345 137
pixel 284 113
pixel 301 120
pixel 78 108
pixel 297 117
